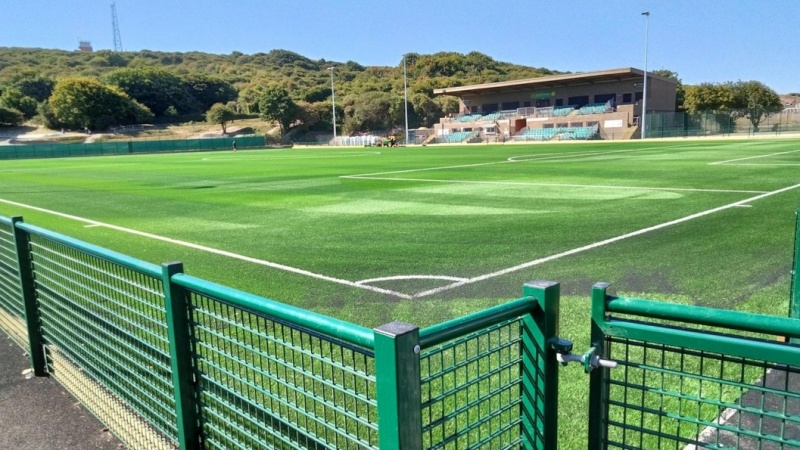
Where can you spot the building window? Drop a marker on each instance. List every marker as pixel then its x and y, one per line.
pixel 542 103
pixel 510 105
pixel 603 98
pixel 559 102
pixel 488 108
pixel 526 104
pixel 473 109
pixel 579 100
pixel 626 98
pixel 638 96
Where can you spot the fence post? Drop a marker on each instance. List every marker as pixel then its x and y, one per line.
pixel 539 369
pixel 598 389
pixel 31 306
pixel 794 301
pixel 180 352
pixel 397 381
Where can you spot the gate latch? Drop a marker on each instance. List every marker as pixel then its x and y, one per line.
pixel 590 360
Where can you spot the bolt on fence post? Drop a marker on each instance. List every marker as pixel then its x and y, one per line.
pixel 179 329
pixel 540 367
pixel 397 382
pixel 598 390
pixel 31 306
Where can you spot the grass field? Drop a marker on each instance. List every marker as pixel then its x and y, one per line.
pixel 427 234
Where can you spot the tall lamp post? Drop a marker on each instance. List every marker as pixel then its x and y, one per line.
pixel 405 94
pixel 333 102
pixel 644 94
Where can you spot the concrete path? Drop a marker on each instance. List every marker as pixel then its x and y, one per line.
pixel 38 414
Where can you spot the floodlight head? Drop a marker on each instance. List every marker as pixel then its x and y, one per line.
pixel 646 13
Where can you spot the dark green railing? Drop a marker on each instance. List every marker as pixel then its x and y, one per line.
pixel 59 150
pixel 167 360
pixel 692 376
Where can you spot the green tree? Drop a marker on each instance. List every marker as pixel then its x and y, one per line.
pixel 276 105
pixel 208 90
pixel 221 114
pixel 155 88
pixel 88 103
pixel 754 101
pixel 14 98
pixel 10 116
pixel 708 97
pixel 34 85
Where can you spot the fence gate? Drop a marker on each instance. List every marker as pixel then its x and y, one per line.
pixel 686 377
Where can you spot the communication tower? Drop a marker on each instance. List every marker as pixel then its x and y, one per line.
pixel 115 26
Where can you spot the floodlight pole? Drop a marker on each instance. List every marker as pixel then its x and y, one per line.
pixel 644 94
pixel 333 107
pixel 405 94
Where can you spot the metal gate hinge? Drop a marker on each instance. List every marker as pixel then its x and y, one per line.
pixel 590 360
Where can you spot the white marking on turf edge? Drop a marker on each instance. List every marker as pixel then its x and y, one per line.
pixel 411 277
pixel 752 157
pixel 522 183
pixel 210 250
pixel 536 262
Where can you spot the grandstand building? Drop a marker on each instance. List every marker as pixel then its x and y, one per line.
pixel 590 105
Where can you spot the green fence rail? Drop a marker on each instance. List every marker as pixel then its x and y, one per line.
pixel 692 377
pixel 55 150
pixel 167 360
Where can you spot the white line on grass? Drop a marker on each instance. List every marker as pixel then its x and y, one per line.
pixel 411 277
pixel 594 186
pixel 765 164
pixel 752 157
pixel 544 157
pixel 539 261
pixel 210 250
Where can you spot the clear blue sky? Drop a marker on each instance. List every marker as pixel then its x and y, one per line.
pixel 701 40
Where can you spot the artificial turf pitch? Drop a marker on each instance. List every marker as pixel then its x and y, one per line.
pixel 425 234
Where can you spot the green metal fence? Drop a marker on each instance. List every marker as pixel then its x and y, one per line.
pixel 12 308
pixel 692 377
pixel 167 360
pixel 56 150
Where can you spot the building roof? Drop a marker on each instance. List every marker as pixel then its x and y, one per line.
pixel 571 79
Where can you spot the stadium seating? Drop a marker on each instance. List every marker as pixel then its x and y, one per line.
pixel 563 133
pixel 469 118
pixel 560 111
pixel 455 137
pixel 594 108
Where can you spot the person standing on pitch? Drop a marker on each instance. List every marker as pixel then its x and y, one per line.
pixel 234 145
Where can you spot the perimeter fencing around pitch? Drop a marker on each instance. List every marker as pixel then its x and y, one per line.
pixel 683 124
pixel 167 360
pixel 55 150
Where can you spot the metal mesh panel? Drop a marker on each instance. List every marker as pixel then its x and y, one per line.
pixel 12 312
pixel 676 398
pixel 471 390
pixel 266 383
pixel 108 321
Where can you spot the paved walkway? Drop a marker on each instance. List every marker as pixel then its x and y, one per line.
pixel 36 413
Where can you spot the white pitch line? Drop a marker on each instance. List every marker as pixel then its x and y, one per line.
pixel 765 164
pixel 411 277
pixel 547 157
pixel 522 183
pixel 210 250
pixel 752 157
pixel 536 262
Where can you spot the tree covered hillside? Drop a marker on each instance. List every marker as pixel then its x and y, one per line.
pixel 54 86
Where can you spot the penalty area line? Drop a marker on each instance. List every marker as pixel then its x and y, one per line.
pixel 94 223
pixel 584 248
